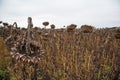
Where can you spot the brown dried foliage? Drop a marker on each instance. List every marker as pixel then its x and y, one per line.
pixel 87 28
pixel 117 35
pixel 5 24
pixel 52 26
pixel 71 27
pixel 45 23
pixel 67 57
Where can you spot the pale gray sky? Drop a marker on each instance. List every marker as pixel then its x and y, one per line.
pixel 99 13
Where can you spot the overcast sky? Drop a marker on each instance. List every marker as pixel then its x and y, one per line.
pixel 99 13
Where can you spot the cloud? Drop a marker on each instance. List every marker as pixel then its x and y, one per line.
pixel 62 12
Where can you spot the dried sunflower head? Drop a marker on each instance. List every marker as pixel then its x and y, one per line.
pixel 5 24
pixel 71 28
pixel 52 26
pixel 45 23
pixel 15 24
pixel 87 28
pixel 29 20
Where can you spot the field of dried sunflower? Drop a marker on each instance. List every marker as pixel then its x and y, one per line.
pixel 68 54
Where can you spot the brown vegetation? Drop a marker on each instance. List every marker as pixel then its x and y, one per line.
pixel 56 55
pixel 71 27
pixel 52 26
pixel 15 24
pixel 87 28
pixel 45 24
pixel 117 34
